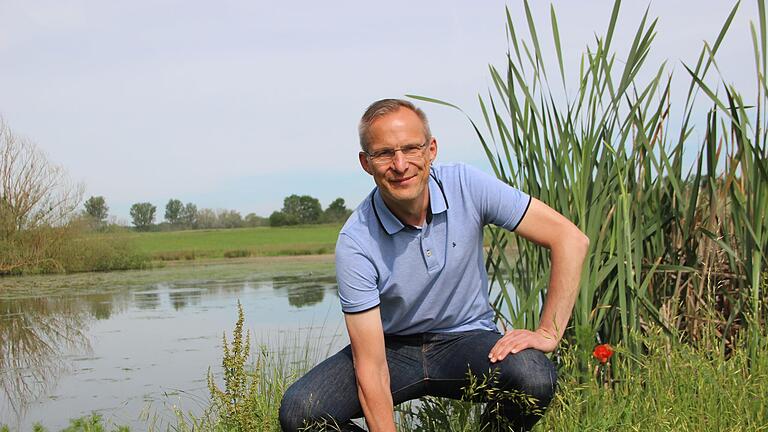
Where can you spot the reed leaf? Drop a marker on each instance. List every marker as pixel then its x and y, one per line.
pixel 673 245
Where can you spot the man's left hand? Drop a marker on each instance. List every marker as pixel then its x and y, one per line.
pixel 517 340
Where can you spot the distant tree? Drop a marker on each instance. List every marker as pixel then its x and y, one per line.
pixel 252 220
pixel 37 199
pixel 279 218
pixel 143 215
pixel 304 209
pixel 336 211
pixel 96 208
pixel 173 211
pixel 207 218
pixel 188 215
pixel 230 219
pixel 34 191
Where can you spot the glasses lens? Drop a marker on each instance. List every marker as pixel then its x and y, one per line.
pixel 410 152
pixel 382 157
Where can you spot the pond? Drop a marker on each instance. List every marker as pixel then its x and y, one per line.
pixel 129 345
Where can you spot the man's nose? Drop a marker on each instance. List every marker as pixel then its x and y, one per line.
pixel 399 161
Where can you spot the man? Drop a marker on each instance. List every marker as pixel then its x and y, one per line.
pixel 414 290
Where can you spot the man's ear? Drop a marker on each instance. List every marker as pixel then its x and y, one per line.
pixel 432 149
pixel 364 162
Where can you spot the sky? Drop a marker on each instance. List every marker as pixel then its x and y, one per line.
pixel 238 104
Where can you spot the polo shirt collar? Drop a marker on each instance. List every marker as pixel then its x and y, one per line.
pixel 390 222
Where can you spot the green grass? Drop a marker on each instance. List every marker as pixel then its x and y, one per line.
pixel 239 242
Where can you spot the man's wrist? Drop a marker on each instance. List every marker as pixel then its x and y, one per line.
pixel 548 333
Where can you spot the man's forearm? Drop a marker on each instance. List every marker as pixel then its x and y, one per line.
pixel 376 398
pixel 567 260
pixel 371 370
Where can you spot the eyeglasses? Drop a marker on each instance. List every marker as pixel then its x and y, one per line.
pixel 411 152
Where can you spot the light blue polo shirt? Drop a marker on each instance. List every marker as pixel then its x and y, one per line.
pixel 430 278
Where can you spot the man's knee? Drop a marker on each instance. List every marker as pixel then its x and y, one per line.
pixel 530 373
pixel 299 410
pixel 295 409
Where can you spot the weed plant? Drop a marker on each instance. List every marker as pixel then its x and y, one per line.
pixel 252 391
pixel 238 404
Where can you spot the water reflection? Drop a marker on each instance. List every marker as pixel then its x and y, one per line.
pixel 306 290
pixel 33 334
pixel 45 339
pixel 181 298
pixel 100 306
pixel 147 300
pixel 308 295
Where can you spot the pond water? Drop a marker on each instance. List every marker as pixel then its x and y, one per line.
pixel 130 345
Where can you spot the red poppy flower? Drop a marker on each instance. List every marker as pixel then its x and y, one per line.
pixel 603 352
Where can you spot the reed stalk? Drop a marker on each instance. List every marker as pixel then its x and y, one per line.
pixel 673 244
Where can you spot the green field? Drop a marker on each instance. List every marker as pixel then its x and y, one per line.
pixel 234 243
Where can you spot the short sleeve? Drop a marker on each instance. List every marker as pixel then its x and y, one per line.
pixel 496 202
pixel 356 276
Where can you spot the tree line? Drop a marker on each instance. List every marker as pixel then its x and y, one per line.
pixel 42 229
pixel 297 210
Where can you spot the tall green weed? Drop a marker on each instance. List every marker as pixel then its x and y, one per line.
pixel 672 244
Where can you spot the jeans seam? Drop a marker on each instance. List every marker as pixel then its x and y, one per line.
pixel 407 386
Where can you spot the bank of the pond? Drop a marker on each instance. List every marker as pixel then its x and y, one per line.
pixel 80 250
pixel 172 271
pixel 234 243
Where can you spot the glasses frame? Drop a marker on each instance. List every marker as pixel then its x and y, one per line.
pixel 388 159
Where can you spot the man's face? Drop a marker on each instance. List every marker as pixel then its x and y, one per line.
pixel 403 179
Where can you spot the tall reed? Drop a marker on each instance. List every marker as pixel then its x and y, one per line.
pixel 672 244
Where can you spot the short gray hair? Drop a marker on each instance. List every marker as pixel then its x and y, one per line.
pixel 382 107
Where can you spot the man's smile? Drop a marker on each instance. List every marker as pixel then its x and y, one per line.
pixel 402 181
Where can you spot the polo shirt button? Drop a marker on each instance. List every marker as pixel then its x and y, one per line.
pixel 429 253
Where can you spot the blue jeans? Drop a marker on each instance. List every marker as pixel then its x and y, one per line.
pixel 434 364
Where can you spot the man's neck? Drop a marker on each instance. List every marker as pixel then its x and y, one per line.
pixel 413 212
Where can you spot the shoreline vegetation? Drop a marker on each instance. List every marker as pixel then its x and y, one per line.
pixel 78 250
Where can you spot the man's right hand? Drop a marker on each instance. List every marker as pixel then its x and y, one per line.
pixel 366 336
